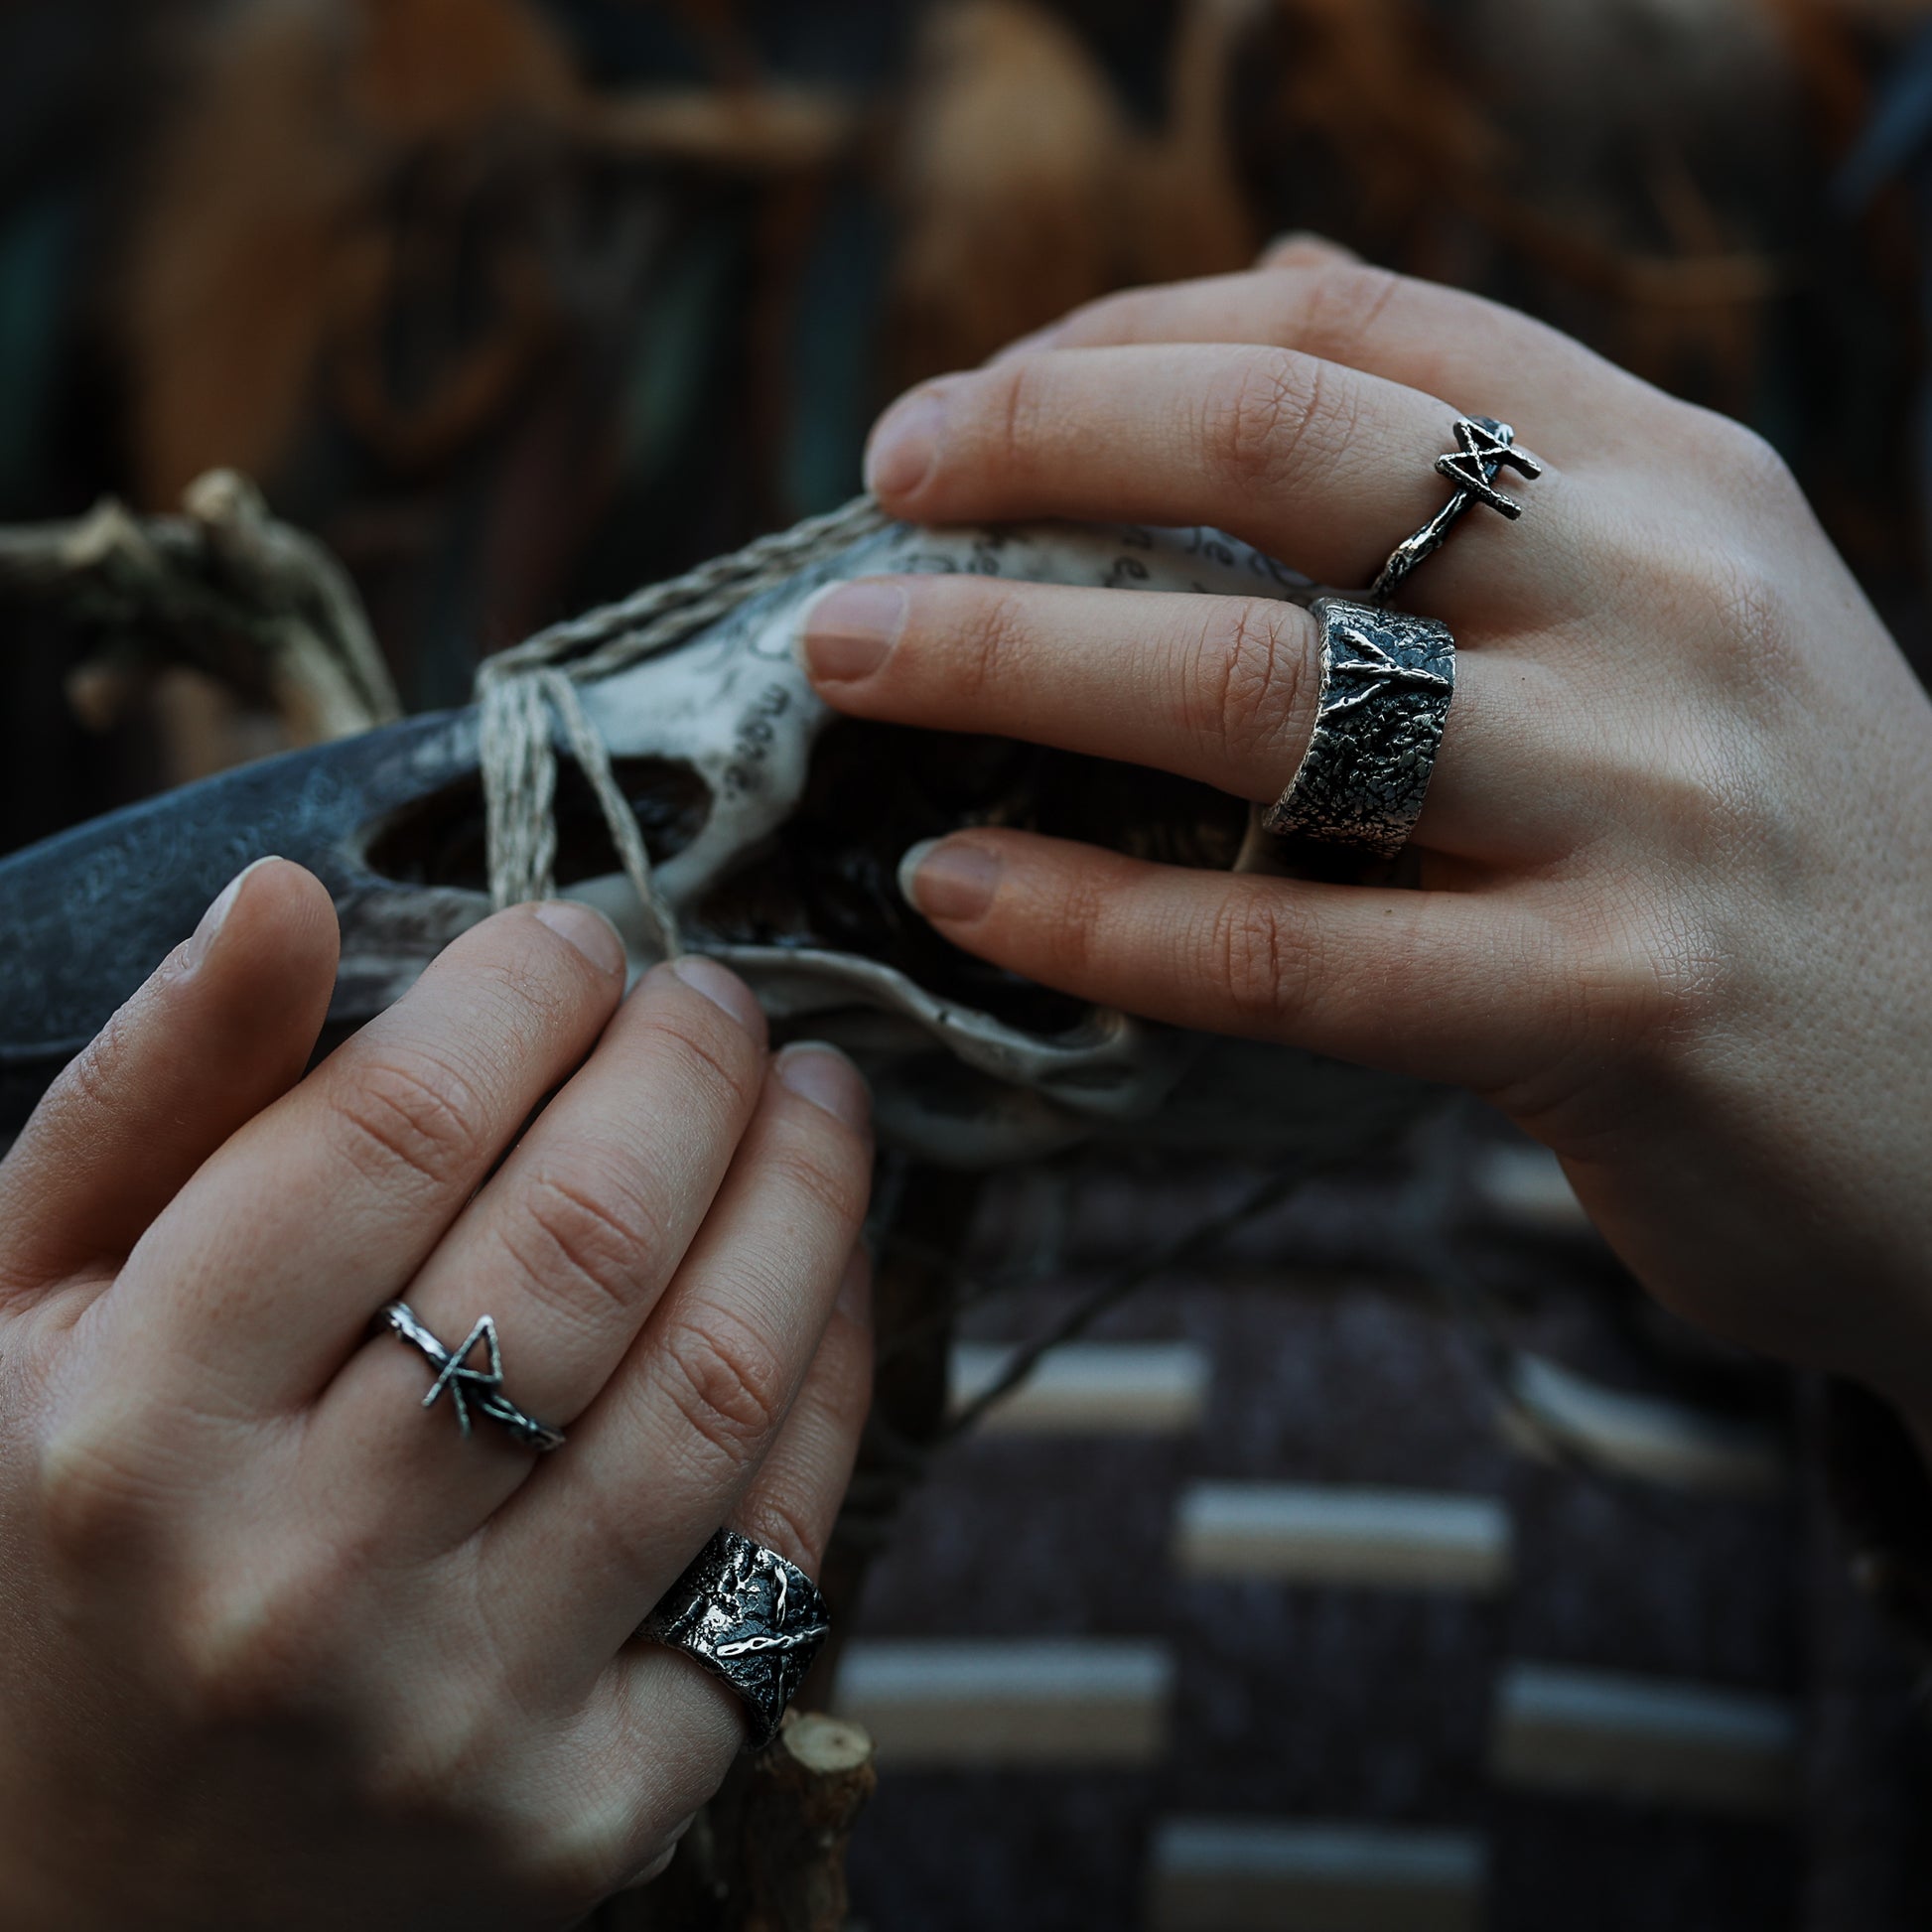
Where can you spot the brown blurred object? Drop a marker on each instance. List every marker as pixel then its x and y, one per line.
pixel 1023 190
pixel 247 634
pixel 263 249
pixel 343 176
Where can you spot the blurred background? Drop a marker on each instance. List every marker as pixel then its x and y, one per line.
pixel 517 304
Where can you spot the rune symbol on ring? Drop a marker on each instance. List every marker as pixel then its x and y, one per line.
pixel 1372 667
pixel 454 1375
pixel 1479 455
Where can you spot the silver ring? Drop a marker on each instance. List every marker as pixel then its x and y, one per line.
pixel 1387 679
pixel 481 1388
pixel 1482 447
pixel 748 1616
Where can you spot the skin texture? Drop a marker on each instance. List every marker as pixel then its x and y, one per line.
pixel 274 1634
pixel 1675 860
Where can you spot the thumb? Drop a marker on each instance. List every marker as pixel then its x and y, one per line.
pixel 224 1026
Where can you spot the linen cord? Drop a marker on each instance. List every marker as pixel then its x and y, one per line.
pixel 520 691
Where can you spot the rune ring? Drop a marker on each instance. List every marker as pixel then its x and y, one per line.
pixel 1387 679
pixel 748 1616
pixel 469 1388
pixel 1482 447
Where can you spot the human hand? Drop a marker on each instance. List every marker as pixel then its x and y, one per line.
pixel 1676 859
pixel 279 1646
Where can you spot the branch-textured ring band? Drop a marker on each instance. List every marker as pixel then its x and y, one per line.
pixel 466 1387
pixel 1386 684
pixel 1482 447
pixel 750 1617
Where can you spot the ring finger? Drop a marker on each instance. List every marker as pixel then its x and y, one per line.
pixel 683 1429
pixel 1220 689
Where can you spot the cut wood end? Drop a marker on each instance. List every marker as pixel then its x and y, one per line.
pixel 826 1745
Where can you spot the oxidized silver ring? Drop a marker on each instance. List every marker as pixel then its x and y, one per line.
pixel 748 1616
pixel 1387 679
pixel 1482 447
pixel 466 1387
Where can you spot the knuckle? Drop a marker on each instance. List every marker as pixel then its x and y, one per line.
pixel 1643 978
pixel 827 1167
pixel 728 1382
pixel 415 1115
pixel 94 1075
pixel 1253 660
pixel 787 1522
pixel 995 638
pixel 429 1767
pixel 718 1062
pixel 597 1232
pixel 1074 939
pixel 250 1651
pixel 1342 305
pixel 1755 474
pixel 1264 964
pixel 94 1493
pixel 1739 604
pixel 1272 418
pixel 1017 412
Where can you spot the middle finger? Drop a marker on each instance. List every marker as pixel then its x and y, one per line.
pixel 1219 689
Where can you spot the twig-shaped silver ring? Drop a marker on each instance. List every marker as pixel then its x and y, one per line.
pixel 1482 447
pixel 466 1387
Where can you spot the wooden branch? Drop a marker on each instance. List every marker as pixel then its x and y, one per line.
pixel 804 1796
pixel 767 1853
pixel 222 588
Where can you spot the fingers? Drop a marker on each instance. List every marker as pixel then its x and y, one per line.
pixel 567 1248
pixel 1563 400
pixel 1315 463
pixel 1220 689
pixel 1439 984
pixel 660 1732
pixel 673 1443
pixel 260 1280
pixel 794 1499
pixel 223 1028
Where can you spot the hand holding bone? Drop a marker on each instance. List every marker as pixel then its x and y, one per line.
pixel 1675 863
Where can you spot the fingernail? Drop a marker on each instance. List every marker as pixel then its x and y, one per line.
pixel 945 878
pixel 905 444
pixel 585 928
pixel 850 630
pixel 722 987
pixel 855 1289
pixel 203 937
pixel 824 1076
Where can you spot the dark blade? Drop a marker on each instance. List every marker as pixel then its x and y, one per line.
pixel 88 913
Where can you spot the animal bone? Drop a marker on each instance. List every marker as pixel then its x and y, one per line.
pixel 776 829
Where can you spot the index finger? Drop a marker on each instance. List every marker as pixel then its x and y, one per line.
pixel 1314 463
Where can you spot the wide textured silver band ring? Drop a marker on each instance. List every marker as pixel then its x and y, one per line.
pixel 467 1386
pixel 750 1617
pixel 1482 447
pixel 1387 679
